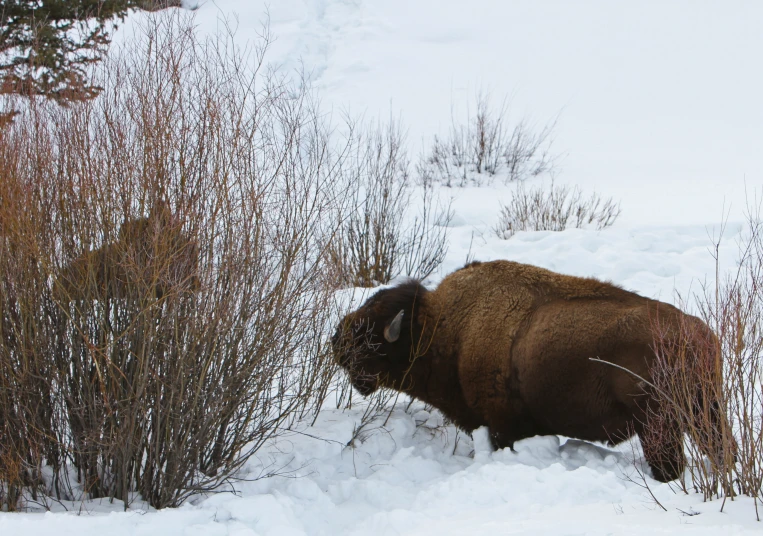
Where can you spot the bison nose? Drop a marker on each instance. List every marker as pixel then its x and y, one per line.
pixel 340 349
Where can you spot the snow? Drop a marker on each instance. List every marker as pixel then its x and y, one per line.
pixel 411 478
pixel 651 96
pixel 659 107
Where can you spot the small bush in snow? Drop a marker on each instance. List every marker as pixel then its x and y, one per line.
pixel 378 237
pixel 554 209
pixel 487 147
pixel 732 430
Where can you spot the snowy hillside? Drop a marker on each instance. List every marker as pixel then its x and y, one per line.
pixel 658 102
pixel 658 105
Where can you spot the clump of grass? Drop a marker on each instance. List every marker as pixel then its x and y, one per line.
pixel 487 146
pixel 554 208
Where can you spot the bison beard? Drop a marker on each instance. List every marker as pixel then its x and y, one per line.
pixel 510 346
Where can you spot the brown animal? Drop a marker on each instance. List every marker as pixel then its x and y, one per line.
pixel 508 346
pixel 150 254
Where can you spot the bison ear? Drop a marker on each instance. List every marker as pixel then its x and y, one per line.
pixel 392 332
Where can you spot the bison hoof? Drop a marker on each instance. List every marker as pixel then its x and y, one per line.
pixel 666 472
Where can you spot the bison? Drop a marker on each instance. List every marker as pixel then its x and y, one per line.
pixel 511 347
pixel 150 253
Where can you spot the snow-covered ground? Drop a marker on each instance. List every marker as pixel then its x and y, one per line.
pixel 659 106
pixel 414 478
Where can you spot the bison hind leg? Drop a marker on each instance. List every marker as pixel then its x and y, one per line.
pixel 663 450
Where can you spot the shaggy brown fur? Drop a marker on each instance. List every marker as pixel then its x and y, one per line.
pixel 508 346
pixel 149 253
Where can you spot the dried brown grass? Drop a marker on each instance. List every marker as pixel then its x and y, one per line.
pixel 487 146
pixel 554 208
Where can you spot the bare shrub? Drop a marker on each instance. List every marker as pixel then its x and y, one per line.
pixel 175 310
pixel 427 237
pixel 485 147
pixel 378 237
pixel 724 420
pixel 734 309
pixel 688 383
pixel 27 410
pixel 554 209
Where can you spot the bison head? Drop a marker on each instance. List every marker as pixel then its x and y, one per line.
pixel 374 344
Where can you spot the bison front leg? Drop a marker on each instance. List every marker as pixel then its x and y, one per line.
pixel 507 430
pixel 500 440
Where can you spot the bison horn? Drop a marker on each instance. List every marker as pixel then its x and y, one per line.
pixel 392 332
